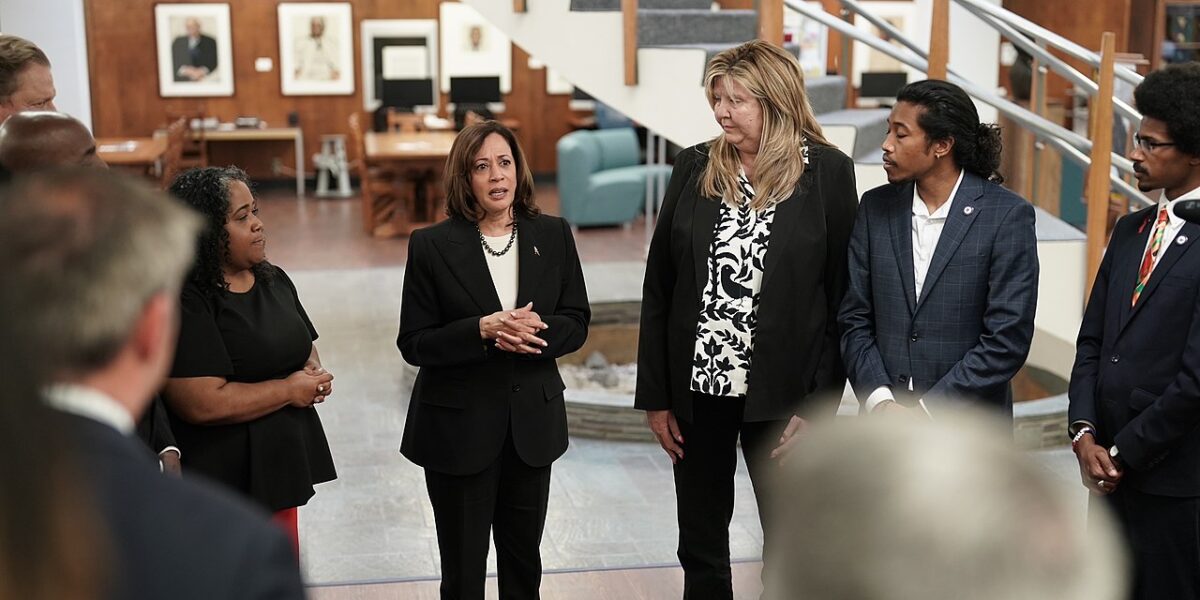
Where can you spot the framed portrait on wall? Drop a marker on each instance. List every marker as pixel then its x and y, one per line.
pixel 472 47
pixel 195 49
pixel 396 54
pixel 316 52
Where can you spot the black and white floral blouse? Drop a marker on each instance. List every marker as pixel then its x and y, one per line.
pixel 729 306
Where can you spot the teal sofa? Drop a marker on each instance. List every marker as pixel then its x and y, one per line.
pixel 600 178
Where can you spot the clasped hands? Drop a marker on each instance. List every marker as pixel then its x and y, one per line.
pixel 515 330
pixel 311 385
pixel 665 428
pixel 1099 471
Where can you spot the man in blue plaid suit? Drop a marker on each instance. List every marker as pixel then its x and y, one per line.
pixel 943 264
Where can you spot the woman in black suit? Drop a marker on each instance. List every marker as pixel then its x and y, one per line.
pixel 746 270
pixel 491 297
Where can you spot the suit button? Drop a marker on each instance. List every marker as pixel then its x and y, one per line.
pixel 1115 359
pixel 516 388
pixel 914 337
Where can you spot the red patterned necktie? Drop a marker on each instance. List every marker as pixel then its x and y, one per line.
pixel 1156 237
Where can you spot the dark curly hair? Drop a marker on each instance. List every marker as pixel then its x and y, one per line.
pixel 206 189
pixel 1172 95
pixel 949 113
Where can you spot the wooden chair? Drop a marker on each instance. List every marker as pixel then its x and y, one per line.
pixel 171 161
pixel 195 146
pixel 384 200
pixel 400 122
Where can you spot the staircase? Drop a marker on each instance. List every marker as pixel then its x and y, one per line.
pixel 583 40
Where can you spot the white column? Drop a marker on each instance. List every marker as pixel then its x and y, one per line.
pixel 64 40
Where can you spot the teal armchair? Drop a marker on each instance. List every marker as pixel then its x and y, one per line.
pixel 600 179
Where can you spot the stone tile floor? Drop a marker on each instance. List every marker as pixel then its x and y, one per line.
pixel 612 503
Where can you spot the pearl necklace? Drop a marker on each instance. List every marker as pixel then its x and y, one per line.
pixel 512 237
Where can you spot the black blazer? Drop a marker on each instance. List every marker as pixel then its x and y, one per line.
pixel 1137 369
pixel 177 538
pixel 970 332
pixel 467 393
pixel 796 367
pixel 206 54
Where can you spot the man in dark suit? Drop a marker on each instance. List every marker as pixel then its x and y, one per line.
pixel 93 264
pixel 193 56
pixel 1135 387
pixel 943 264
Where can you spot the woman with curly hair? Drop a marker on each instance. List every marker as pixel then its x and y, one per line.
pixel 247 375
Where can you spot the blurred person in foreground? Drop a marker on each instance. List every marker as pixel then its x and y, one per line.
pixel 247 377
pixel 908 509
pixel 93 264
pixel 746 270
pixel 34 140
pixel 1135 387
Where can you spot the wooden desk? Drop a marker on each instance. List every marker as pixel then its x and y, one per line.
pixel 131 152
pixel 269 134
pixel 412 159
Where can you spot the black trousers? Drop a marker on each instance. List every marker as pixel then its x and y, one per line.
pixel 704 490
pixel 507 499
pixel 1163 537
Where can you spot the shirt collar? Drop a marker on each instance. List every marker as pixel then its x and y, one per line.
pixel 90 403
pixel 1173 219
pixel 921 210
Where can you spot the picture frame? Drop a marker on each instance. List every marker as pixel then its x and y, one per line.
pixel 472 46
pixel 316 49
pixel 395 49
pixel 195 50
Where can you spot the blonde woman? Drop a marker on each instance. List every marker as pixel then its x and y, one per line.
pixel 746 270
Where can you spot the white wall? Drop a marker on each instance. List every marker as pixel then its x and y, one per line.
pixel 63 38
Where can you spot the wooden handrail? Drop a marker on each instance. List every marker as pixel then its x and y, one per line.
pixel 770 21
pixel 519 6
pixel 939 40
pixel 629 9
pixel 1098 186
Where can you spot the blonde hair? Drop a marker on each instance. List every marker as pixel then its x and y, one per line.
pixel 775 80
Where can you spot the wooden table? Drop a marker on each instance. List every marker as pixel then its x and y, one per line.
pixel 414 159
pixel 267 134
pixel 131 152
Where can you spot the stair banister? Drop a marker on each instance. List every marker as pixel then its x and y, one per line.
pixel 770 21
pixel 939 40
pixel 629 10
pixel 1101 118
pixel 1066 141
pixel 1041 33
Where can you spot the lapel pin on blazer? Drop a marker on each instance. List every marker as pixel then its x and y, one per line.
pixel 1181 240
pixel 968 210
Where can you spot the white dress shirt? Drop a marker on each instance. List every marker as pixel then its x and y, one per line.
pixel 90 403
pixel 1174 224
pixel 926 231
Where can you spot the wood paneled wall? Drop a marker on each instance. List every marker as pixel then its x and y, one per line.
pixel 125 99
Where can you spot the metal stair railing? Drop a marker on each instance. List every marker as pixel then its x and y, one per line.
pixel 1072 145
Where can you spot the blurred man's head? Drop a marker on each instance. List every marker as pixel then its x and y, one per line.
pixel 316 26
pixel 37 140
pixel 901 509
pixel 25 80
pixel 93 266
pixel 193 27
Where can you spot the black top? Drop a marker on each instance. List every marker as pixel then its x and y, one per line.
pixel 250 337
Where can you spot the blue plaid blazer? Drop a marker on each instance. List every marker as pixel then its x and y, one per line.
pixel 970 331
